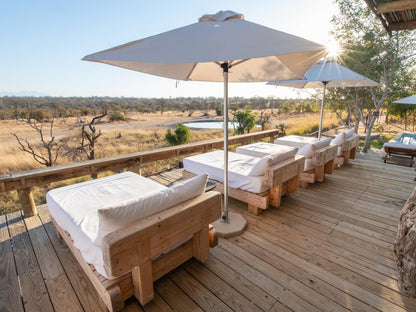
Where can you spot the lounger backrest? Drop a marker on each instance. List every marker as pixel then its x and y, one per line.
pixel 309 149
pixel 115 218
pixel 261 167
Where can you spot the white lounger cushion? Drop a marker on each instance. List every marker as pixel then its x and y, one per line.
pixel 116 217
pixel 239 167
pixel 75 207
pixel 262 149
pixel 307 147
pixel 399 145
pixel 295 140
pixel 270 155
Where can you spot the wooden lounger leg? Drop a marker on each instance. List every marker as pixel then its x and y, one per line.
pixel 352 153
pixel 201 244
pixel 329 167
pixel 254 209
pixel 143 282
pixel 292 185
pixel 117 303
pixel 346 156
pixel 319 173
pixel 276 195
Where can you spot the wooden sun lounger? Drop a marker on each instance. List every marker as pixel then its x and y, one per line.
pixel 283 178
pixel 133 251
pixel 399 151
pixel 323 161
pixel 349 148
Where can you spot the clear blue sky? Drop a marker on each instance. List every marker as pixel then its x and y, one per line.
pixel 43 41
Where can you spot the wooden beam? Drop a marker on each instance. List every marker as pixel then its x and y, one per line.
pixel 394 6
pixel 403 26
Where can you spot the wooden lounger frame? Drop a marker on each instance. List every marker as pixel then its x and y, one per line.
pixel 283 178
pixel 133 251
pixel 400 151
pixel 349 148
pixel 323 161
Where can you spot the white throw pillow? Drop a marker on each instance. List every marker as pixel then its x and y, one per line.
pixel 339 139
pixel 349 133
pixel 307 150
pixel 267 161
pixel 322 143
pixel 115 218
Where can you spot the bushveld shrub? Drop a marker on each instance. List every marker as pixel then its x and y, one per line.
pixel 182 135
pixel 117 115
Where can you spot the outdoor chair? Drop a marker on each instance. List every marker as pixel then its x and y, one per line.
pixel 127 231
pixel 399 149
pixel 319 156
pixel 259 182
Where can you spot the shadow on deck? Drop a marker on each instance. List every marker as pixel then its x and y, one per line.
pixel 327 248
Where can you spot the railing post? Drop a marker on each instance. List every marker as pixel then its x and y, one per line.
pixel 27 202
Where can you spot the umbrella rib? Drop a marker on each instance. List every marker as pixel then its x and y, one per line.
pixel 191 71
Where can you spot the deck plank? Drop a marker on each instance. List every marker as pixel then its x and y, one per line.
pixel 10 297
pixel 327 248
pixel 59 288
pixel 34 293
pixel 82 286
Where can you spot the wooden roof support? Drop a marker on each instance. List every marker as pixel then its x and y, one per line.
pixel 394 6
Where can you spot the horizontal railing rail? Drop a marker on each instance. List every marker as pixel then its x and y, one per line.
pixel 24 181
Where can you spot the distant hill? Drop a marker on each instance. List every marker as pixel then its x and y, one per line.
pixel 22 93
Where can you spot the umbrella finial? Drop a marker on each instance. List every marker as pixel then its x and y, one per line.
pixel 221 16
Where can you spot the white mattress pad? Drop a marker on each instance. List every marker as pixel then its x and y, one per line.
pixel 262 149
pixel 295 140
pixel 239 166
pixel 74 208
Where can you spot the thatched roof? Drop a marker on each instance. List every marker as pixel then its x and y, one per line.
pixel 394 14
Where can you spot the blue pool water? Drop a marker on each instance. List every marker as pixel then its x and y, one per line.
pixel 210 125
pixel 407 138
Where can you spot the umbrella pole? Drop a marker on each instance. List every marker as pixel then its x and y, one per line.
pixel 224 217
pixel 232 223
pixel 322 109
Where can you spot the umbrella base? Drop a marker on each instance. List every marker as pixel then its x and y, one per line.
pixel 235 227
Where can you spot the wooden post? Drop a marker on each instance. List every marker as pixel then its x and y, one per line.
pixel 329 166
pixel 276 195
pixel 143 282
pixel 292 185
pixel 352 153
pixel 319 173
pixel 26 202
pixel 201 244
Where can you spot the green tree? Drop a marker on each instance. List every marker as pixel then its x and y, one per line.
pixel 182 135
pixel 245 121
pixel 369 50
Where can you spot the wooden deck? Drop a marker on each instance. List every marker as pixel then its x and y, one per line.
pixel 327 248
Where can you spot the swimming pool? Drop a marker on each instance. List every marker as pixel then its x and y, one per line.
pixel 407 138
pixel 211 125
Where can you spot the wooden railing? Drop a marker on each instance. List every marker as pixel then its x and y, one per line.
pixel 24 181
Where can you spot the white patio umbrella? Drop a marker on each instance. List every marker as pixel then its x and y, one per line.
pixel 327 74
pixel 211 48
pixel 407 100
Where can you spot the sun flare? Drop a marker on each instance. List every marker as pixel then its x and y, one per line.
pixel 334 49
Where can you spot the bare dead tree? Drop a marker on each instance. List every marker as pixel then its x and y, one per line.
pixel 265 117
pixel 89 137
pixel 50 145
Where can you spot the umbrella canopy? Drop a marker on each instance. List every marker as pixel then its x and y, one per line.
pixel 407 100
pixel 327 74
pixel 194 52
pixel 209 49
